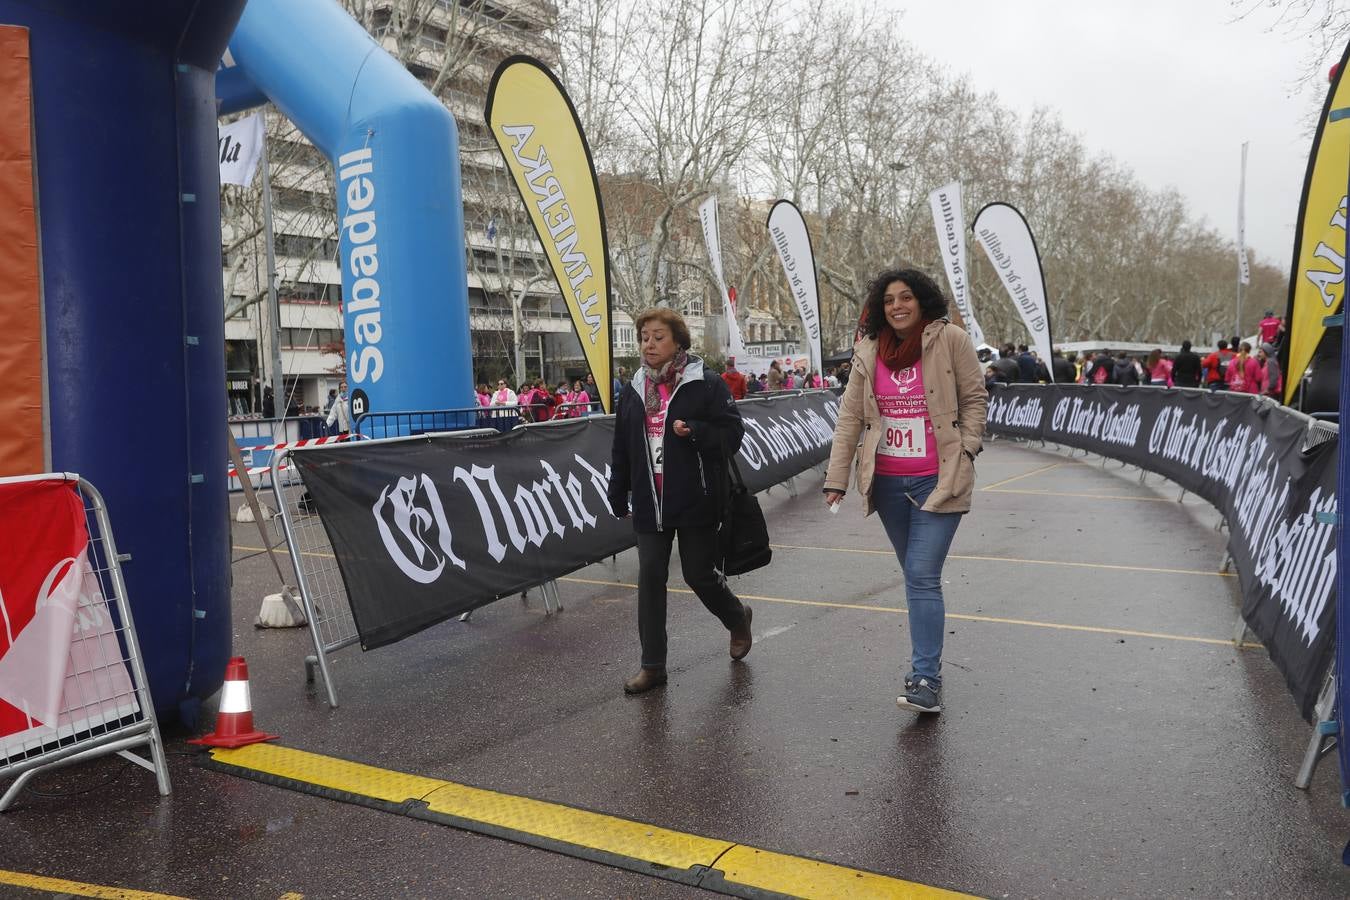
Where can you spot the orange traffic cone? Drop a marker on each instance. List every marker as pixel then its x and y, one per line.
pixel 234 721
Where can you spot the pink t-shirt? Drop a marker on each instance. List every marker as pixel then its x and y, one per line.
pixel 656 435
pixel 907 445
pixel 1245 375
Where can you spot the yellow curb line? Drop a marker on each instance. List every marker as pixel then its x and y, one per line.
pixel 77 888
pixel 709 863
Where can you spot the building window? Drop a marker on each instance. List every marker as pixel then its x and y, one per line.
pixel 305 247
pixel 310 338
pixel 311 292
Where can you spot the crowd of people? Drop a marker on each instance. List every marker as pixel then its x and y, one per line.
pixel 1233 366
pixel 534 401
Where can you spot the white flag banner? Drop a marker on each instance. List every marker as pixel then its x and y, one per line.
pixel 241 146
pixel 787 230
pixel 951 236
pixel 712 237
pixel 1244 273
pixel 1006 237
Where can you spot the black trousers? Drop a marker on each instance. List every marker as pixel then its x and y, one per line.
pixel 698 546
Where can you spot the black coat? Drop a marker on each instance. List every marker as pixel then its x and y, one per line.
pixel 694 470
pixel 1186 370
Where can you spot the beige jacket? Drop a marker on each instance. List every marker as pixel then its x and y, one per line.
pixel 957 404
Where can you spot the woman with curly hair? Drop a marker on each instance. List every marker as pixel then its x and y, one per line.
pixel 917 400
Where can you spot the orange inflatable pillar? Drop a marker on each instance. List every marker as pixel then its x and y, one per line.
pixel 24 447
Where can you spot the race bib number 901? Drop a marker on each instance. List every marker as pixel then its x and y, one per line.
pixel 903 438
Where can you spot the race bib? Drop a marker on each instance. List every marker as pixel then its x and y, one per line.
pixel 656 440
pixel 656 446
pixel 904 438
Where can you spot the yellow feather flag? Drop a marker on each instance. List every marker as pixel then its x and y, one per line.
pixel 1317 284
pixel 537 129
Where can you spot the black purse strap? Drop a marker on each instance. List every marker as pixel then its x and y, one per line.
pixel 735 472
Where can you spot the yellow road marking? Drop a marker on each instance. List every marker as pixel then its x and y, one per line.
pixel 825 603
pixel 1025 475
pixel 641 847
pixel 798 877
pixel 1087 496
pixel 1035 562
pixel 77 888
pixel 972 618
pixel 1153 570
pixel 951 615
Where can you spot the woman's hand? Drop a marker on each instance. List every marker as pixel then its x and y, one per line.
pixel 681 428
pixel 833 497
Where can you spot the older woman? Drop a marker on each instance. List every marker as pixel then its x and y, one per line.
pixel 675 426
pixel 917 399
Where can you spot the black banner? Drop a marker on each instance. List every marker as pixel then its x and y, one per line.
pixel 426 528
pixel 1254 461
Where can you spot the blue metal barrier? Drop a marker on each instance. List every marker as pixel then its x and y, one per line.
pixel 409 422
pixel 501 418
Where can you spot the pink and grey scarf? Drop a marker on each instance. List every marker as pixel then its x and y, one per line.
pixel 669 374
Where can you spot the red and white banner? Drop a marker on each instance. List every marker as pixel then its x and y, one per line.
pixel 61 665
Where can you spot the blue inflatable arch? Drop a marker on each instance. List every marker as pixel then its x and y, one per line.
pixel 395 152
pixel 124 119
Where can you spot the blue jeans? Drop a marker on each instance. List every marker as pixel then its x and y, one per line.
pixel 921 541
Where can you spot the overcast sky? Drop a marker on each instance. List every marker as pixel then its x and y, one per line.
pixel 1171 88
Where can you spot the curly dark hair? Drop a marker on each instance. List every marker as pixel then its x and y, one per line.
pixel 932 302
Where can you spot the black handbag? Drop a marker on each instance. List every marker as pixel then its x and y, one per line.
pixel 743 538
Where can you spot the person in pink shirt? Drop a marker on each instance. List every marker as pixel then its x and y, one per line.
pixel 579 400
pixel 912 417
pixel 1244 372
pixel 1159 369
pixel 1271 327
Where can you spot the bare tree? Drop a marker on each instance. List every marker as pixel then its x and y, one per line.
pixel 675 106
pixel 1323 25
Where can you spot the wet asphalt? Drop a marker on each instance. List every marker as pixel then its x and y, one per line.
pixel 1089 747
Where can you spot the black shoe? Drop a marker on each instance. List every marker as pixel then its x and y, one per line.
pixel 741 638
pixel 921 696
pixel 645 680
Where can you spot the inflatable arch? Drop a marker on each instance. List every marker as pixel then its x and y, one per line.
pixel 395 153
pixel 126 240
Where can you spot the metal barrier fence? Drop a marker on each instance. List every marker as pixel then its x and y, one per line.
pixel 106 705
pixel 322 591
pixel 255 437
pixel 1318 429
pixel 405 423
